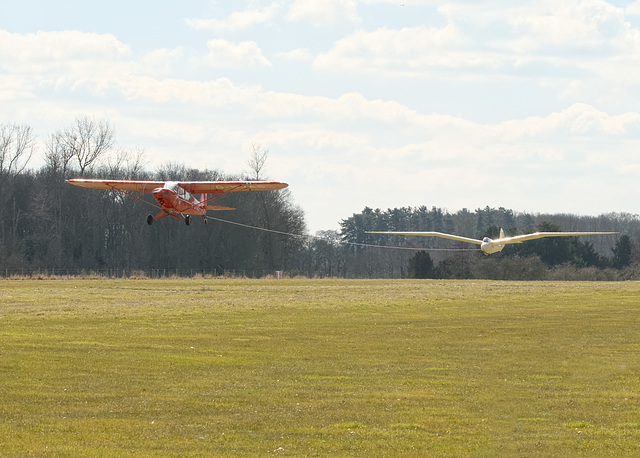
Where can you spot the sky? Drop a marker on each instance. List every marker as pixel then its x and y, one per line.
pixel 528 105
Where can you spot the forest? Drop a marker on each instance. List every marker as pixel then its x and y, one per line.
pixel 48 227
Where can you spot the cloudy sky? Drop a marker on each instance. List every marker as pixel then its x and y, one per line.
pixel 530 105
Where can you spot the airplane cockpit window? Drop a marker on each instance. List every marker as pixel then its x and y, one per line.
pixel 175 187
pixel 486 240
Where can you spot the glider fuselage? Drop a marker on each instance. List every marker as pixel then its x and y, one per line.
pixel 489 246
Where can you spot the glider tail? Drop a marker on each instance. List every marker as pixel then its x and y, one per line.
pixel 501 233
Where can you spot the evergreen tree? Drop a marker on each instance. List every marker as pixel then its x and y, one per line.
pixel 622 252
pixel 421 266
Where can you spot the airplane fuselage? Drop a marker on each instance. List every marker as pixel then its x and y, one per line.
pixel 173 199
pixel 178 202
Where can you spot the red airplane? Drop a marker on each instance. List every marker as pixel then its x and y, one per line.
pixel 175 197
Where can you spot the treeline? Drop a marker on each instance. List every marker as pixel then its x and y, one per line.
pixel 49 226
pixel 593 257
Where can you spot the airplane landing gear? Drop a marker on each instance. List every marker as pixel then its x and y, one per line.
pixel 187 220
pixel 205 219
pixel 150 220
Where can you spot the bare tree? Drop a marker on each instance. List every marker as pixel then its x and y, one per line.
pixel 56 156
pixel 126 163
pixel 16 148
pixel 87 141
pixel 256 163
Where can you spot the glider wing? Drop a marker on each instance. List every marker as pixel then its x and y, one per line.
pixel 434 234
pixel 539 235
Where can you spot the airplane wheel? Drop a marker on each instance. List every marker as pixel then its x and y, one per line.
pixel 150 220
pixel 205 220
pixel 187 220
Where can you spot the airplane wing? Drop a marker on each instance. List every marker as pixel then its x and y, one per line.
pixel 218 207
pixel 212 187
pixel 434 234
pixel 220 187
pixel 120 185
pixel 539 235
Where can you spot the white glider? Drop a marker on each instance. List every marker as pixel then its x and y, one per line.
pixel 489 246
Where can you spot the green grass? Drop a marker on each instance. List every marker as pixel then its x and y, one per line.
pixel 316 367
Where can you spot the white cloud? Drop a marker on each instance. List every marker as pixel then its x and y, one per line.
pixel 633 8
pixel 311 137
pixel 348 107
pixel 71 59
pixel 301 55
pixel 217 93
pixel 14 88
pixel 323 12
pixel 238 20
pixel 246 54
pixel 587 24
pixel 61 61
pixel 56 47
pixel 407 52
pixel 351 124
pixel 138 80
pixel 576 50
pixel 160 61
pixel 579 119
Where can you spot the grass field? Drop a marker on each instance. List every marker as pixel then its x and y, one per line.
pixel 189 367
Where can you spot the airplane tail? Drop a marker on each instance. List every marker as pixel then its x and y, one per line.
pixel 212 207
pixel 501 233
